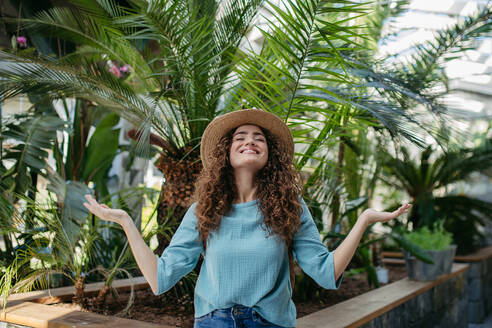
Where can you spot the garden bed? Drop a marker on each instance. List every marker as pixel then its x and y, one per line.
pixel 166 310
pixel 404 303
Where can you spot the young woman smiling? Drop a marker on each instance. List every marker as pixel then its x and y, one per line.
pixel 249 222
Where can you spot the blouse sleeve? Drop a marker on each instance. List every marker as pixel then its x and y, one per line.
pixel 312 255
pixel 182 254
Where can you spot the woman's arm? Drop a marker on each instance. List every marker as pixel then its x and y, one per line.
pixel 145 258
pixel 344 253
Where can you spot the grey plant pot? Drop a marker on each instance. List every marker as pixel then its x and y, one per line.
pixel 421 271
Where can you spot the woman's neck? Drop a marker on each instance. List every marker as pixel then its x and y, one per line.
pixel 246 188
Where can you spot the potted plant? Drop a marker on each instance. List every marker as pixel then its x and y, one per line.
pixel 437 244
pixel 463 216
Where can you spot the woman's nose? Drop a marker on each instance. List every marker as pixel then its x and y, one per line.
pixel 250 141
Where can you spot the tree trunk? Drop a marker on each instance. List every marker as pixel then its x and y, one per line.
pixel 335 204
pixel 176 192
pixel 101 296
pixel 79 291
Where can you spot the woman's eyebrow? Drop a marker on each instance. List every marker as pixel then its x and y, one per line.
pixel 244 132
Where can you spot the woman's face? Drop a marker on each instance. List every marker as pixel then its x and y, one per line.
pixel 249 148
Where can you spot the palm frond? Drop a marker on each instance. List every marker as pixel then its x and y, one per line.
pixel 301 44
pixel 97 30
pixel 382 12
pixel 33 135
pixel 449 43
pixel 464 218
pixel 411 248
pixel 459 165
pixel 93 83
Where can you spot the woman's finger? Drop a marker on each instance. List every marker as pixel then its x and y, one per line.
pixel 403 209
pixel 93 201
pixel 93 206
pixel 98 209
pixel 88 206
pixel 89 198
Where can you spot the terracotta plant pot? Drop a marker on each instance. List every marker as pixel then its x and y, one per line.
pixel 421 271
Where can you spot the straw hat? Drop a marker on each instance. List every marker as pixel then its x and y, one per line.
pixel 221 125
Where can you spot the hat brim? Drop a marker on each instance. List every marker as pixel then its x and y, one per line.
pixel 221 125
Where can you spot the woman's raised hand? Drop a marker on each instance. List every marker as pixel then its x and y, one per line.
pixel 373 216
pixel 104 212
pixel 345 252
pixel 146 260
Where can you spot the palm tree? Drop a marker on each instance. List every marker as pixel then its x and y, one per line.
pixel 187 67
pixel 421 78
pixel 424 180
pixel 184 59
pixel 180 53
pixel 58 245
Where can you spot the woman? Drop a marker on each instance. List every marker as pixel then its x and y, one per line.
pixel 248 221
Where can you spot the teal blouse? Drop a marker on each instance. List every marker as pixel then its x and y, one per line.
pixel 243 265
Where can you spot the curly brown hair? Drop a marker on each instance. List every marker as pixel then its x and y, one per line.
pixel 278 191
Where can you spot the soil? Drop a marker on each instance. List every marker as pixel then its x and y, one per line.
pixel 168 310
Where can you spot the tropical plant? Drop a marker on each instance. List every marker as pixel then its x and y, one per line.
pixel 112 254
pixel 180 54
pixel 84 155
pixel 427 62
pixel 79 156
pixel 357 162
pixel 421 78
pixel 52 250
pixel 29 136
pixel 26 139
pixel 186 67
pixel 70 245
pixel 426 181
pixel 437 239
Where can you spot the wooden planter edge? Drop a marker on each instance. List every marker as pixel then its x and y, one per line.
pixel 44 316
pixel 30 309
pixel 363 308
pixel 24 309
pixel 57 295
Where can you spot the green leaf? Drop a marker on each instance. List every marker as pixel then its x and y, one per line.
pixel 102 148
pixel 35 134
pixel 413 249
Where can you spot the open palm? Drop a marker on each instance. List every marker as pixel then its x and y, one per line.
pixel 375 216
pixel 104 212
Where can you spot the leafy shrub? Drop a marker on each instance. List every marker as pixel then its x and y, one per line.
pixel 436 239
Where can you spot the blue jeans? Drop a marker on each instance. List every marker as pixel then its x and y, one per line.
pixel 237 316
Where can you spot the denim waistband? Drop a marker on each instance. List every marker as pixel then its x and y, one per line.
pixel 236 311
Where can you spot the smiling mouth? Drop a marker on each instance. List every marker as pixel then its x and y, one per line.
pixel 249 151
